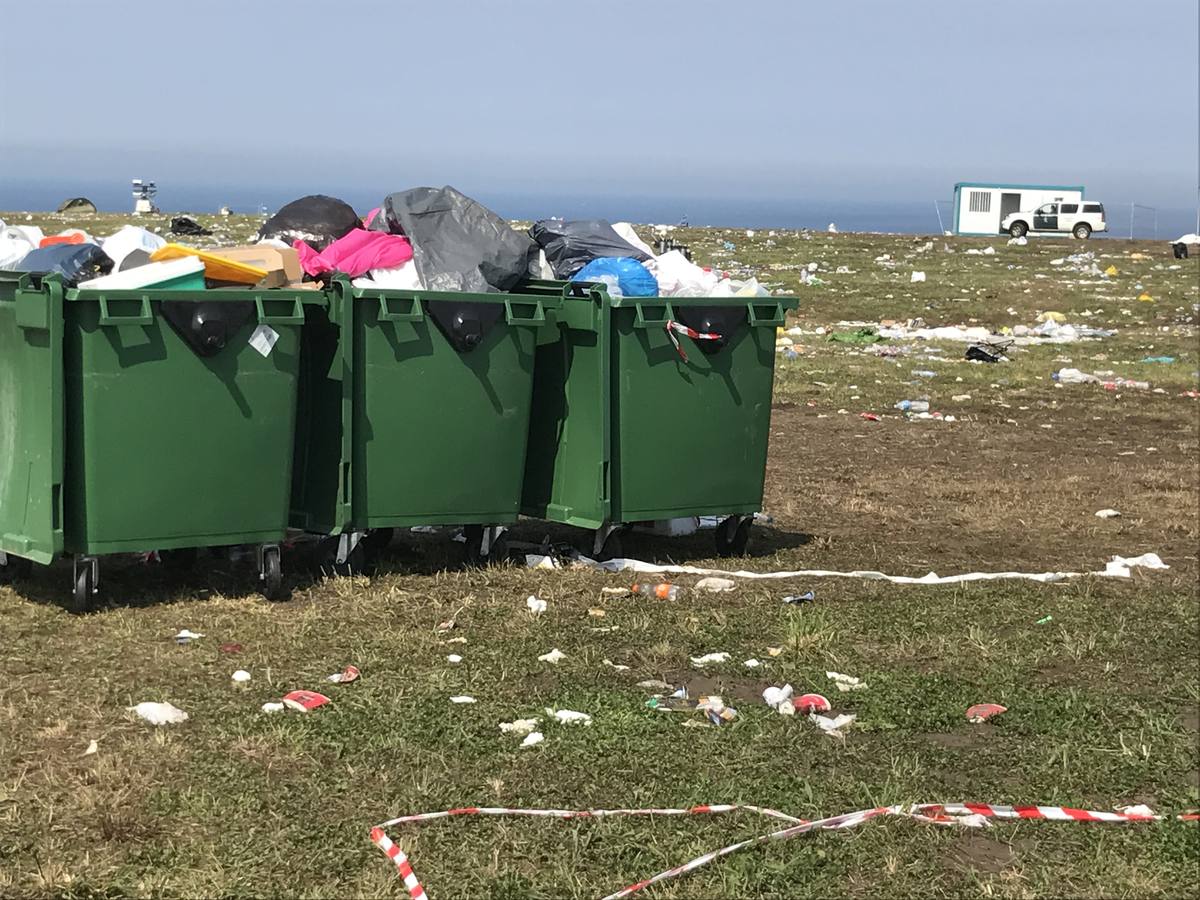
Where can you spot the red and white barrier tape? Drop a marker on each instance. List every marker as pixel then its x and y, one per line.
pixel 934 813
pixel 674 328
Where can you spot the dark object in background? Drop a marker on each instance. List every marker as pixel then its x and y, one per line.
pixel 186 225
pixel 133 259
pixel 988 352
pixel 570 246
pixel 74 262
pixel 317 220
pixel 666 245
pixel 77 205
pixel 1181 250
pixel 458 243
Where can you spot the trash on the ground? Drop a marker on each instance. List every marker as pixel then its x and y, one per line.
pixel 232 647
pixel 596 612
pixel 617 666
pixel 606 629
pixel 1018 241
pixel 186 637
pixel 519 726
pixel 774 651
pixel 532 739
pixel 832 726
pixel 1044 620
pixel 92 748
pixel 1109 382
pixel 241 676
pixel 454 659
pixel 1107 514
pixel 443 627
pixel 1111 271
pixel 188 227
pixel 779 699
pixel 752 663
pixel 913 406
pixel 273 707
pixel 869 416
pixel 654 684
pixel 462 699
pixel 715 585
pixel 304 701
pixel 917 276
pixel 536 605
pixel 1159 359
pixel 981 712
pixel 661 591
pixel 811 703
pixel 1138 809
pixel 715 710
pixel 858 336
pixel 846 683
pixel 159 713
pixel 553 656
pixel 797 599
pixel 348 674
pixel 570 716
pixel 710 659
pixel 615 591
pixel 988 351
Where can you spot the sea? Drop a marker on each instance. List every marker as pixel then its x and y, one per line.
pixel 897 216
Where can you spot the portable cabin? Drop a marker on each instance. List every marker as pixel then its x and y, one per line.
pixel 979 207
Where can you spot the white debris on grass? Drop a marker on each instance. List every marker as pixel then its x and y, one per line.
pixel 569 716
pixel 519 726
pixel 158 713
pixel 553 656
pixel 1107 514
pixel 533 739
pixel 710 659
pixel 536 605
pixel 845 683
pixel 463 699
pixel 241 676
pixel 715 585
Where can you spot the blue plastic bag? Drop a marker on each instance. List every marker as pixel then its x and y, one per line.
pixel 633 279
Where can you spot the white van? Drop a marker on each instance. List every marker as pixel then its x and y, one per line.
pixel 1079 218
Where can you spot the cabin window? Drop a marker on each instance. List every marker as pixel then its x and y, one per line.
pixel 980 201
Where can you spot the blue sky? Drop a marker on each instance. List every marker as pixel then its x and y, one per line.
pixel 850 102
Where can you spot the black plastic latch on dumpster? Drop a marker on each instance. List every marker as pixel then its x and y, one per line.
pixel 205 325
pixel 465 325
pixel 722 320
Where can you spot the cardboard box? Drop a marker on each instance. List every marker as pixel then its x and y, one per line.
pixel 264 256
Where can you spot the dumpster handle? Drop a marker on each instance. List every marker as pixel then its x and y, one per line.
pixel 414 313
pixel 774 318
pixel 640 320
pixel 295 318
pixel 575 289
pixel 144 317
pixel 538 317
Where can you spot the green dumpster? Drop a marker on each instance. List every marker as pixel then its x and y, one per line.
pixel 636 418
pixel 414 410
pixel 149 419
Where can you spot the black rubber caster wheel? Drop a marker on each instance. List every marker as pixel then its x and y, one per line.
pixel 272 574
pixel 733 534
pixel 85 589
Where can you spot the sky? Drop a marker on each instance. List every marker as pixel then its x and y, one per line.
pixel 674 102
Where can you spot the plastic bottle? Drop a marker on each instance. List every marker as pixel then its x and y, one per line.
pixel 913 406
pixel 661 591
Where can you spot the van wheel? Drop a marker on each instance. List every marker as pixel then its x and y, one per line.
pixel 1018 229
pixel 1082 231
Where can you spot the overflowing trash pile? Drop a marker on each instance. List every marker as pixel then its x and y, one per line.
pixel 419 239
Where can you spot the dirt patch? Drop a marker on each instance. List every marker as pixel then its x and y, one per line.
pixel 978 737
pixel 1059 672
pixel 980 854
pixel 731 689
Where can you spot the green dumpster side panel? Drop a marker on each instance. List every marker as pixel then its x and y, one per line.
pixel 400 428
pixel 31 451
pixel 625 430
pixel 167 448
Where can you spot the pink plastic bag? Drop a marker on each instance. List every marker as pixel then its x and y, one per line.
pixel 356 253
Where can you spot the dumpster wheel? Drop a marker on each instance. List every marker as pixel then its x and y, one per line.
pixel 272 573
pixel 14 568
pixel 87 571
pixel 733 534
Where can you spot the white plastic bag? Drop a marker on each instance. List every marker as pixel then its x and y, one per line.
pixel 625 230
pixel 680 277
pixel 127 239
pixel 403 277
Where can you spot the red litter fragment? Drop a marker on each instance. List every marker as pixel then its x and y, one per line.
pixel 981 712
pixel 348 674
pixel 305 701
pixel 811 703
pixel 870 417
pixel 231 647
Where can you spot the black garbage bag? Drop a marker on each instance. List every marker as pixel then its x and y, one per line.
pixel 188 226
pixel 74 262
pixel 316 219
pixel 570 246
pixel 458 244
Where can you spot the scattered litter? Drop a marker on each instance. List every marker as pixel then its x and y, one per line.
pixel 348 674
pixel 869 416
pixel 241 676
pixel 846 683
pixel 1111 271
pixel 607 629
pixel 92 748
pixel 715 710
pixel 617 666
pixel 913 406
pixel 454 659
pixel 858 336
pixel 533 738
pixel 231 648
pixel 519 726
pixel 1159 359
pixel 981 712
pixel 462 699
pixel 806 597
pixel 779 699
pixel 159 713
pixel 1018 241
pixel 654 684
pixel 455 640
pixel 917 276
pixel 1107 514
pixel 1144 297
pixel 570 716
pixel 443 627
pixel 536 606
pixel 553 656
pixel 304 701
pixel 597 613
pixel 715 585
pixel 752 663
pixel 709 659
pixel 832 726
pixel 1108 382
pixel 774 651
pixel 662 591
pixel 186 637
pixel 615 591
pixel 806 704
pixel 273 707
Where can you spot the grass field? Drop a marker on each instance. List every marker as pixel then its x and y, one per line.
pixel 1101 677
